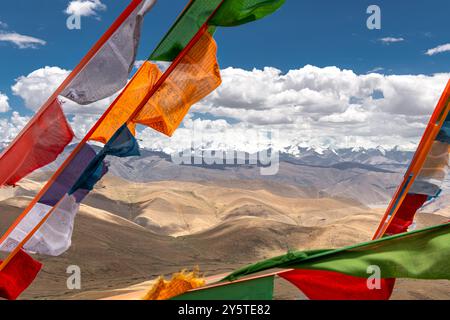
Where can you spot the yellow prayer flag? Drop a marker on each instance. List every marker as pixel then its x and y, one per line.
pixel 180 283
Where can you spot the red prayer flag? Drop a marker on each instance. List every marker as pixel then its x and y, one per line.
pixel 331 285
pixel 17 275
pixel 405 214
pixel 39 145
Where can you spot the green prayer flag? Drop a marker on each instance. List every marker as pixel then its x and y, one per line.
pixel 421 254
pixel 187 25
pixel 229 13
pixel 237 12
pixel 254 289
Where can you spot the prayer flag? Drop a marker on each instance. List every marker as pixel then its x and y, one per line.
pixel 54 237
pixel 229 13
pixel 107 72
pixel 132 96
pixel 254 289
pixel 421 254
pixel 196 76
pixel 122 144
pixel 38 146
pixel 237 12
pixel 66 180
pixel 329 285
pixel 17 275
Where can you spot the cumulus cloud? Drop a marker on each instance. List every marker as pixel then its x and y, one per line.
pixel 4 104
pixel 85 8
pixel 303 107
pixel 316 92
pixel 21 41
pixel 10 127
pixel 82 123
pixel 438 49
pixel 327 106
pixel 36 87
pixel 353 114
pixel 388 40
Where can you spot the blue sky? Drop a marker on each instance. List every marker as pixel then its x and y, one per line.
pixel 319 32
pixel 316 32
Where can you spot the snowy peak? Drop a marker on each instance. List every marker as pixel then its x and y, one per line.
pixel 378 156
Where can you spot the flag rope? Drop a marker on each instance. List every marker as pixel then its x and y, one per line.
pixel 434 126
pixel 80 145
pixel 91 53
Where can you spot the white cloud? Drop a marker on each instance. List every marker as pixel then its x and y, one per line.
pixel 3 24
pixel 22 41
pixel 438 49
pixel 4 104
pixel 327 106
pixel 307 106
pixel 81 124
pixel 353 114
pixel 316 92
pixel 36 87
pixel 40 84
pixel 388 40
pixel 85 8
pixel 9 128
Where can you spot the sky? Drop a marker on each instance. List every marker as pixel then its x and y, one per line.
pixel 313 74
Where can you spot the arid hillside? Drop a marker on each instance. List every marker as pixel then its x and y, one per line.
pixel 129 232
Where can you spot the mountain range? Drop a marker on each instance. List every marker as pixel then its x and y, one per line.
pixel 369 176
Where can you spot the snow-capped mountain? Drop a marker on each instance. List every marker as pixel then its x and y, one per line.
pixel 393 159
pixel 369 176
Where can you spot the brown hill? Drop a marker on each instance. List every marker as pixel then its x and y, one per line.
pixel 128 232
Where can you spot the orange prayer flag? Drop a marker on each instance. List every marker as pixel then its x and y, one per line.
pixel 145 78
pixel 196 76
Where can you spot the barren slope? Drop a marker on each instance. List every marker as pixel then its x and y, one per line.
pixel 127 232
